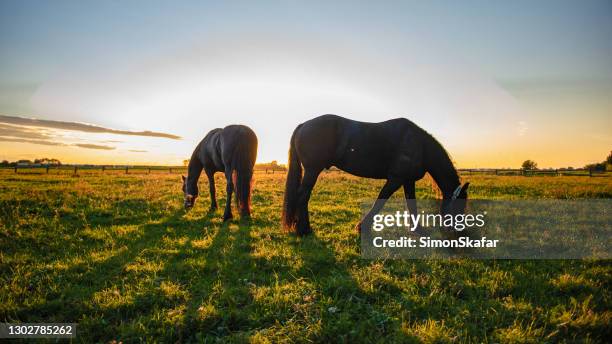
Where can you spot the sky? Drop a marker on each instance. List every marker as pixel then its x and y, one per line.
pixel 142 82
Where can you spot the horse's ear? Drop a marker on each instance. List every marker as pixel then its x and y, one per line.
pixel 183 177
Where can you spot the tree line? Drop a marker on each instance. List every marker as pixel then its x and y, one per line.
pixel 41 161
pixel 605 165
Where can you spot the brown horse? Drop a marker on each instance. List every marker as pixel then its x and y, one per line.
pixel 396 150
pixel 231 150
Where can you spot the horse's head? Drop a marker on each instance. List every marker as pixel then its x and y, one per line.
pixel 189 196
pixel 456 204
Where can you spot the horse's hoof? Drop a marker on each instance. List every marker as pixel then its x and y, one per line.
pixel 304 231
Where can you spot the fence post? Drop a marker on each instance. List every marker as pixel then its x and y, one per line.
pixel 149 171
pixel 170 170
pixel 126 170
pixel 103 168
pixel 75 170
pixel 590 172
pixel 15 168
pixel 47 169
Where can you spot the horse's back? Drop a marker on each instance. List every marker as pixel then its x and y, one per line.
pixel 239 130
pixel 238 134
pixel 238 139
pixel 361 148
pixel 218 147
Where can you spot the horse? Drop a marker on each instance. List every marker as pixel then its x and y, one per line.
pixel 231 150
pixel 396 150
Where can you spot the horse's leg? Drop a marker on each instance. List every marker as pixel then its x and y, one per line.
pixel 308 182
pixel 410 195
pixel 213 194
pixel 388 189
pixel 230 188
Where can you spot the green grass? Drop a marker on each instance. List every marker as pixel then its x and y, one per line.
pixel 116 254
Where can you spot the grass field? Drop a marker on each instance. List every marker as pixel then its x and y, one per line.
pixel 116 254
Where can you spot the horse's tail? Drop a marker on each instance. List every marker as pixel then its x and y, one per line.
pixel 294 178
pixel 243 160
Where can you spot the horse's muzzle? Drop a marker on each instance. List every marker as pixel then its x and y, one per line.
pixel 189 202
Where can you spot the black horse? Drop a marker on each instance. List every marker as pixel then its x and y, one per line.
pixel 231 150
pixel 396 150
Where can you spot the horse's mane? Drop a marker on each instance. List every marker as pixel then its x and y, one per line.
pixel 437 156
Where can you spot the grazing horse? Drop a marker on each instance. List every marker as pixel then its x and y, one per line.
pixel 231 150
pixel 396 150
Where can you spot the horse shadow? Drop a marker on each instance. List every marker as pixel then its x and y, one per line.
pixel 69 299
pixel 344 301
pixel 213 267
pixel 219 290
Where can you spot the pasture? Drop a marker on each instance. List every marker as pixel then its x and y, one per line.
pixel 118 255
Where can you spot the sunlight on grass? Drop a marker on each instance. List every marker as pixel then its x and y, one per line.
pixel 118 254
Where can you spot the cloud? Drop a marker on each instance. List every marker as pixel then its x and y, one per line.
pixel 137 151
pixel 75 126
pixel 54 143
pixel 522 128
pixel 28 133
pixel 92 146
pixel 36 142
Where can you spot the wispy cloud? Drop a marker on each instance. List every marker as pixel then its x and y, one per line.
pixel 54 143
pixel 522 128
pixel 23 132
pixel 92 146
pixel 137 151
pixel 75 126
pixel 36 142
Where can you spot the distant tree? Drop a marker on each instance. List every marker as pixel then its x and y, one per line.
pixel 47 161
pixel 186 162
pixel 4 163
pixel 529 165
pixel 601 166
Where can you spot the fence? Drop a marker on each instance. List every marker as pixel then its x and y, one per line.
pixel 76 169
pixel 521 172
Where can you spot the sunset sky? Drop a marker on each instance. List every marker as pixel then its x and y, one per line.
pixel 141 82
